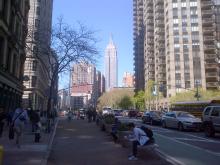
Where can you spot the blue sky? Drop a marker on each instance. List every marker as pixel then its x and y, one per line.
pixel 105 17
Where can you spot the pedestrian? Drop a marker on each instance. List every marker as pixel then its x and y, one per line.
pixel 19 119
pixel 89 114
pixel 138 137
pixel 94 114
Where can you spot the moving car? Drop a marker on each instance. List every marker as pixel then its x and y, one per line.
pixel 181 120
pixel 211 120
pixel 152 117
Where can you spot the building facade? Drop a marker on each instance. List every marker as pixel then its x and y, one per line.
pixel 83 85
pixel 37 66
pixel 128 80
pixel 111 66
pixel 181 44
pixel 13 31
pixel 63 96
pixel 138 35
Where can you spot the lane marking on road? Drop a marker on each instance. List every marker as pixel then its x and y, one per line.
pixel 186 134
pixel 193 139
pixel 214 141
pixel 195 147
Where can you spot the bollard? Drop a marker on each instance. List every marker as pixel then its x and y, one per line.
pixel 1 155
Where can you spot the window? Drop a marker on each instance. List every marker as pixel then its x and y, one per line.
pixel 34 66
pixel 36 36
pixel 175 5
pixel 37 22
pixel 194 28
pixel 215 111
pixel 178 76
pixel 38 10
pixel 175 21
pixel 183 11
pixel 187 84
pixel 34 81
pixel 193 12
pixel 175 12
pixel 183 4
pixel 208 109
pixel 193 4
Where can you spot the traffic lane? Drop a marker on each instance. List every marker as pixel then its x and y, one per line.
pixel 190 138
pixel 185 153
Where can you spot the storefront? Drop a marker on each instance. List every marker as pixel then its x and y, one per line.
pixel 10 98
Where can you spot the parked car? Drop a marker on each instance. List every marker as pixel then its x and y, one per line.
pixel 211 120
pixel 181 120
pixel 117 112
pixel 152 117
pixel 107 111
pixel 132 113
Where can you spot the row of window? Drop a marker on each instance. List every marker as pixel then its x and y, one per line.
pixel 12 63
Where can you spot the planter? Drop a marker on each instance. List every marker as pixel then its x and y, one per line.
pixel 108 128
pixel 124 142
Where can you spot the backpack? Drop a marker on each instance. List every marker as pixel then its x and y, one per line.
pixel 148 131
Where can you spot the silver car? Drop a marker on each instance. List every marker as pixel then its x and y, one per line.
pixel 181 120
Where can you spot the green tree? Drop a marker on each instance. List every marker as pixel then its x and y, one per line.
pixel 113 97
pixel 149 97
pixel 190 95
pixel 125 103
pixel 139 100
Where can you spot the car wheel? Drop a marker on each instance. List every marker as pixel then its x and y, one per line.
pixel 164 124
pixel 209 131
pixel 180 127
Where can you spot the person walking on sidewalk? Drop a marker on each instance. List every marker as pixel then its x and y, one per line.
pixel 139 137
pixel 19 119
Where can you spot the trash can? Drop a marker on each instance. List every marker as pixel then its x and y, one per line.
pixel 1 155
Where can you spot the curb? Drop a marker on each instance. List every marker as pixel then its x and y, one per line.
pixel 44 161
pixel 168 158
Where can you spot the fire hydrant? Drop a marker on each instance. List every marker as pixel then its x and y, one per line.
pixel 1 155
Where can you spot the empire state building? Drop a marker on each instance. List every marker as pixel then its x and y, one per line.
pixel 111 66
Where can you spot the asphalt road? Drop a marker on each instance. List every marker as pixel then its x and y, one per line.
pixel 81 143
pixel 188 147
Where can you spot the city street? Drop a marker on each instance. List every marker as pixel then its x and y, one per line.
pixel 188 147
pixel 185 147
pixel 81 143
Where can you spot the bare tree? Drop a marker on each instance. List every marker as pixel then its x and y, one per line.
pixel 68 45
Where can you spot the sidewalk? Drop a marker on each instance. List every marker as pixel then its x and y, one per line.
pixel 30 153
pixel 81 143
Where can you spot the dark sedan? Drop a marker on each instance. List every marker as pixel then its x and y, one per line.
pixel 152 117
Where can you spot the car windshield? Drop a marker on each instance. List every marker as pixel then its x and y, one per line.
pixel 155 114
pixel 183 114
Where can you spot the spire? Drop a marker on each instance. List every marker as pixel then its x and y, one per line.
pixel 111 40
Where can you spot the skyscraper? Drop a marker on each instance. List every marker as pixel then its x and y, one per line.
pixel 138 36
pixel 180 45
pixel 111 66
